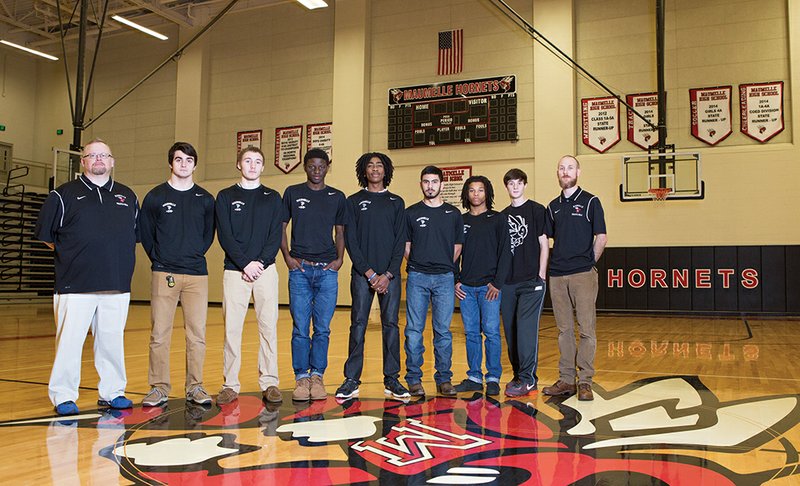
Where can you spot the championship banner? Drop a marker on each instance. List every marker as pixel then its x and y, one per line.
pixel 600 118
pixel 454 178
pixel 639 133
pixel 320 135
pixel 246 139
pixel 288 148
pixel 711 113
pixel 761 108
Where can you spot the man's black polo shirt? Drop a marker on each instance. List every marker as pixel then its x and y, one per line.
pixel 572 223
pixel 93 230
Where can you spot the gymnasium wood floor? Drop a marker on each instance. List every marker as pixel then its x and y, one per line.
pixel 679 400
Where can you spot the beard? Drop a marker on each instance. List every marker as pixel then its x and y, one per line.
pixel 431 195
pixel 567 183
pixel 99 170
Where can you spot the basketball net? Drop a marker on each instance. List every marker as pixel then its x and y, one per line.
pixel 659 194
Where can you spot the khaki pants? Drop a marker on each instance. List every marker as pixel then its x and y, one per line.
pixel 578 293
pixel 235 301
pixel 192 292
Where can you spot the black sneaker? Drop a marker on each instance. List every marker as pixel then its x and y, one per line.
pixel 492 388
pixel 468 385
pixel 349 389
pixel 396 390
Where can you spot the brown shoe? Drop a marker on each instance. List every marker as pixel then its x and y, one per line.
pixel 227 395
pixel 416 390
pixel 272 394
pixel 560 388
pixel 446 388
pixel 585 392
pixel 302 392
pixel 318 388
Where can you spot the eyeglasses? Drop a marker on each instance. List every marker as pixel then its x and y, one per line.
pixel 97 156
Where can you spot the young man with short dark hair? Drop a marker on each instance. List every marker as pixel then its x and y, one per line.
pixel 375 241
pixel 525 286
pixel 434 236
pixel 485 260
pixel 177 227
pixel 249 228
pixel 316 211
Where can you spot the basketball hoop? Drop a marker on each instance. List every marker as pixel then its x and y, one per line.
pixel 659 194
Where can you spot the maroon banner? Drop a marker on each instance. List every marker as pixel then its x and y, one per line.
pixel 288 148
pixel 761 109
pixel 711 113
pixel 600 122
pixel 640 133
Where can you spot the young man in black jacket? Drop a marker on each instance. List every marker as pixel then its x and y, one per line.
pixel 249 228
pixel 177 229
pixel 375 240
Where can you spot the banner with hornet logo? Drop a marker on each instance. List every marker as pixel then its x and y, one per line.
pixel 600 122
pixel 640 133
pixel 711 113
pixel 320 135
pixel 761 106
pixel 288 148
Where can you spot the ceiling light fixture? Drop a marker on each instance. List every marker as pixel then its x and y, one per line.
pixel 32 51
pixel 312 4
pixel 136 26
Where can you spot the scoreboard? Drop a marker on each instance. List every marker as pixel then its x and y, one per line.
pixel 479 110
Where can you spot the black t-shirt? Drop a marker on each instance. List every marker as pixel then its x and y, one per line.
pixel 94 233
pixel 433 233
pixel 177 228
pixel 525 225
pixel 486 255
pixel 249 225
pixel 313 215
pixel 572 223
pixel 375 235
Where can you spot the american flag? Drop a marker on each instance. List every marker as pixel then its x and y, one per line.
pixel 451 52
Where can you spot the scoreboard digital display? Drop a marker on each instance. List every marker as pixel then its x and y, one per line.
pixel 479 110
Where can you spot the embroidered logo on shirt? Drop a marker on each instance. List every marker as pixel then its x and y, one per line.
pixel 120 200
pixel 393 199
pixel 169 207
pixel 81 197
pixel 237 205
pixel 364 205
pixel 466 228
pixel 577 210
pixel 448 212
pixel 423 221
pixel 332 193
pixel 302 203
pixel 267 193
pixel 198 195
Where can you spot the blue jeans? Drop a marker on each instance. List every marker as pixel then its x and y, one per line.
pixel 438 290
pixel 312 297
pixel 481 316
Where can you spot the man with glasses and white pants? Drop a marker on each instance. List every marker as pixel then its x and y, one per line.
pixel 90 222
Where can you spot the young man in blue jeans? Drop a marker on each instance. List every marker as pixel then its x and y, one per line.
pixel 316 212
pixel 485 260
pixel 433 244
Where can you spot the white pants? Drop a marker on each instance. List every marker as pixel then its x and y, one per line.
pixel 235 301
pixel 105 314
